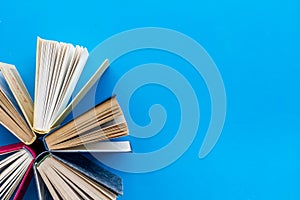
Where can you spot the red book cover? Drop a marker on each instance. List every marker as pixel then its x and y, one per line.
pixel 21 189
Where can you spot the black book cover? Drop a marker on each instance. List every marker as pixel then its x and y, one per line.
pixel 92 170
pixel 43 191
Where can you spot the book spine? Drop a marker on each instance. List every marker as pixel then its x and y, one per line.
pixel 45 143
pixel 31 151
pixel 11 147
pixel 41 157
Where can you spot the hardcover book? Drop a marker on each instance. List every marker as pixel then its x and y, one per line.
pixel 59 173
pixel 16 161
pixel 72 176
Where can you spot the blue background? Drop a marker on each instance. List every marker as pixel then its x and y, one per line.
pixel 255 45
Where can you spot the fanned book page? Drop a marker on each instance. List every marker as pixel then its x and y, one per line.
pixel 65 182
pixel 18 90
pixel 13 167
pixel 11 115
pixel 58 67
pixel 104 122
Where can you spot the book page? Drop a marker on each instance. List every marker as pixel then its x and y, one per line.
pixel 19 91
pixel 74 76
pixel 58 68
pixel 81 93
pixel 69 183
pixel 13 169
pixel 8 94
pixel 11 116
pixel 105 121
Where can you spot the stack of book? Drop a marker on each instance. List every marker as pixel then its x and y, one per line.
pixel 47 147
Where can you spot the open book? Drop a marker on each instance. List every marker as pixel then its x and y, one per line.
pixel 58 68
pixel 72 176
pixel 105 121
pixel 16 107
pixel 16 161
